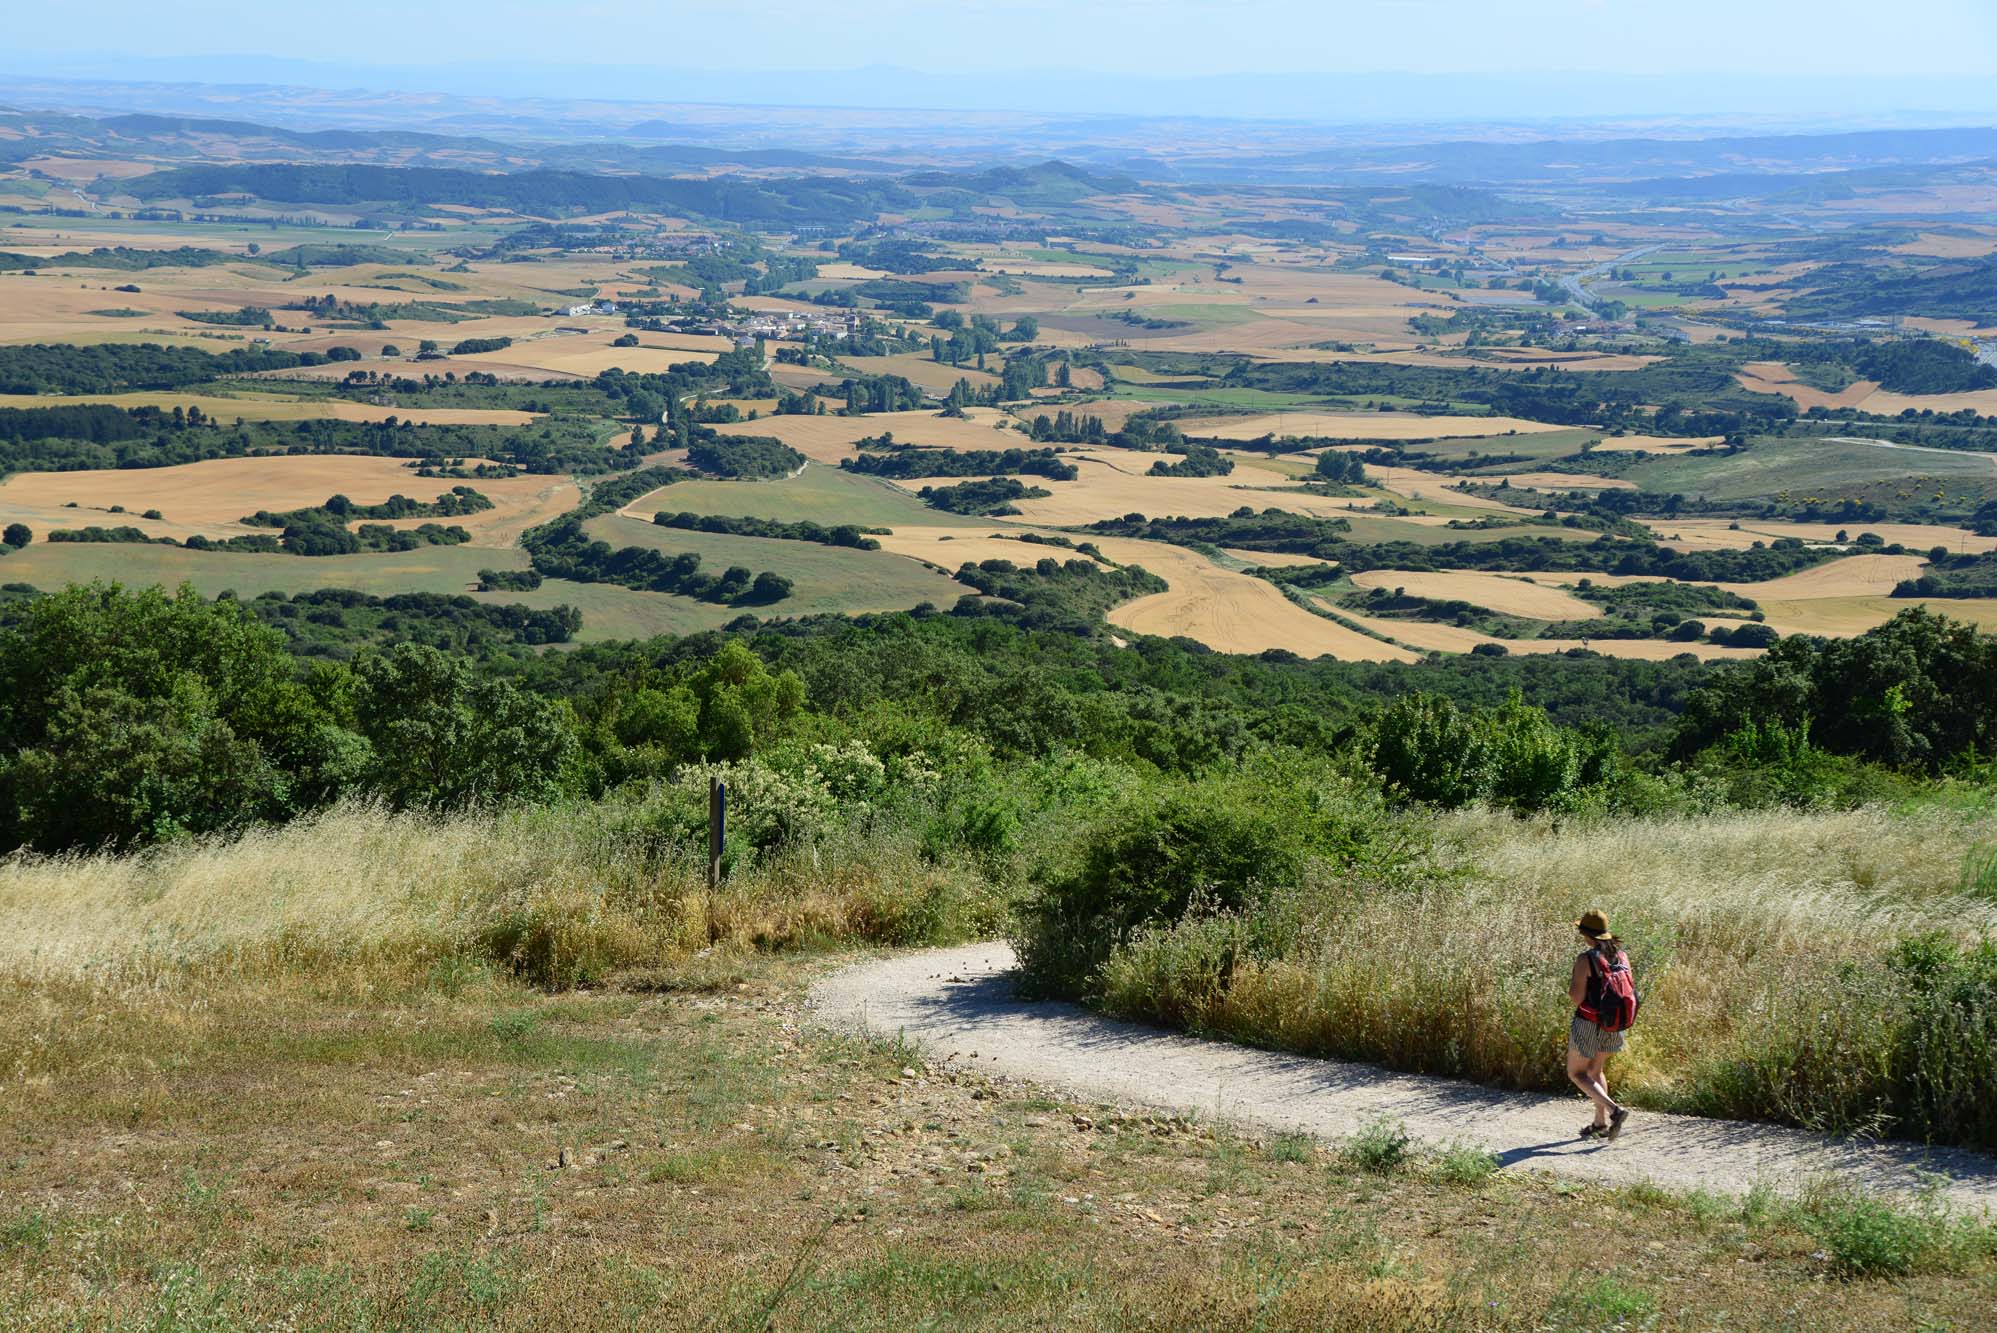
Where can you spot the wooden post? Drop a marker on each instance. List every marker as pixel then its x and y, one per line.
pixel 717 828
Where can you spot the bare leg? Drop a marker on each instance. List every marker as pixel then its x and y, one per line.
pixel 1584 1075
pixel 1598 1075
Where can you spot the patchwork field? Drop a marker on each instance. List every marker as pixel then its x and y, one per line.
pixel 212 497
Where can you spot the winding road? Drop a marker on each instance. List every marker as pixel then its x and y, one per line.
pixel 957 1004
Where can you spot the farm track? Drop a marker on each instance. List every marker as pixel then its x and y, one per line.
pixel 957 1004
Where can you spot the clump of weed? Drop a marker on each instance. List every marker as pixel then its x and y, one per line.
pixel 1864 1236
pixel 1606 1302
pixel 1464 1164
pixel 1382 1147
pixel 1292 1148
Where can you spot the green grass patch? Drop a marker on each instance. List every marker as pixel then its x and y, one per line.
pixel 820 494
pixel 824 578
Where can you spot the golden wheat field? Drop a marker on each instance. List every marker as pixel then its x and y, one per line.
pixel 1229 611
pixel 1694 534
pixel 211 497
pixel 1777 378
pixel 1506 594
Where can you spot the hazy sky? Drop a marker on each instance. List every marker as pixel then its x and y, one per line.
pixel 1170 37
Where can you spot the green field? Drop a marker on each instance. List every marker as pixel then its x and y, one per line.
pixel 445 569
pixel 613 612
pixel 1539 447
pixel 824 578
pixel 1805 467
pixel 819 494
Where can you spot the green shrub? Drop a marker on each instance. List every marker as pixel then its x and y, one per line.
pixel 1382 1147
pixel 1184 852
pixel 1945 1059
pixel 1867 1237
pixel 1465 1164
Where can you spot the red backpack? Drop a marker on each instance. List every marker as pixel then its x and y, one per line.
pixel 1612 992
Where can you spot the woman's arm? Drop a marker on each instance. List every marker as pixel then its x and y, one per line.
pixel 1577 984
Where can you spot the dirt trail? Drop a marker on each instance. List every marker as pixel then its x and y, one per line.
pixel 957 1003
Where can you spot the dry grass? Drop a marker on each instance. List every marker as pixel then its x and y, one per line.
pixel 560 896
pixel 1733 921
pixel 287 1081
pixel 466 1154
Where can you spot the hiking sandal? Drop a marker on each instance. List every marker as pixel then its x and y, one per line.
pixel 1616 1119
pixel 1590 1130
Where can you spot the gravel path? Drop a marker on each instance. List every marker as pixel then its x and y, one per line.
pixel 957 1004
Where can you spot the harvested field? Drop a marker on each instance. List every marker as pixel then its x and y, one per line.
pixel 828 439
pixel 1777 378
pixel 1273 559
pixel 1231 612
pixel 211 497
pixel 260 408
pixel 587 357
pixel 1563 481
pixel 824 495
pixel 1435 488
pixel 918 369
pixel 1699 534
pixel 1113 483
pixel 1982 401
pixel 1947 247
pixel 1841 617
pixel 1502 593
pixel 1655 444
pixel 1359 426
pixel 1854 576
pixel 1430 637
pixel 950 548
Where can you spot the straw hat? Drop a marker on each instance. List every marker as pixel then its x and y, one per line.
pixel 1594 924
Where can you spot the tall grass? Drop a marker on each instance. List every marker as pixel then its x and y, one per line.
pixel 561 896
pixel 1828 970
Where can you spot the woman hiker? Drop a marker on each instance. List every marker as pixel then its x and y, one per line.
pixel 1605 1003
